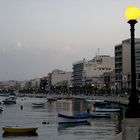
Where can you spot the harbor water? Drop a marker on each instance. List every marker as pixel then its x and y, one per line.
pixel 45 118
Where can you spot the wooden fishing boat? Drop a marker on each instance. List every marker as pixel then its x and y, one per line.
pixel 73 119
pixel 19 129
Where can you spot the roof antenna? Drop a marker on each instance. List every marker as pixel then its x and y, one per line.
pixel 98 51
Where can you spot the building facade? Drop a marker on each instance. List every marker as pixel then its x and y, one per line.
pixel 78 74
pixel 58 77
pixel 123 64
pixel 89 72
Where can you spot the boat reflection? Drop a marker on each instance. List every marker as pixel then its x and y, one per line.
pixel 19 134
pixel 118 124
pixel 65 126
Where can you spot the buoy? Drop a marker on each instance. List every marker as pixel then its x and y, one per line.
pixel 21 107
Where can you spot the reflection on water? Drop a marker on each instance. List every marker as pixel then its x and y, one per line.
pixel 98 129
pixel 118 123
pixel 19 134
pixel 64 126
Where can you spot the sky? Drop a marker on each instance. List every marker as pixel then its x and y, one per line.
pixel 38 36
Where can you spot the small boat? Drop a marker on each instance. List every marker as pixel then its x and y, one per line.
pixel 101 115
pixel 39 104
pixel 19 129
pixel 9 100
pixel 97 103
pixel 107 109
pixel 73 119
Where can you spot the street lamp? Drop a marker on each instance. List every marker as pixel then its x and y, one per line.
pixel 133 110
pixel 93 89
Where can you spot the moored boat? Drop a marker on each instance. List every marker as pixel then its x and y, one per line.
pixel 73 119
pixel 101 115
pixel 97 102
pixel 51 99
pixel 107 109
pixel 19 129
pixel 9 100
pixel 38 104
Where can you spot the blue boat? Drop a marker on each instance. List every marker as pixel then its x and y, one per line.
pixel 79 118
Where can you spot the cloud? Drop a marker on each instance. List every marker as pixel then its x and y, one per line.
pixel 67 50
pixel 19 45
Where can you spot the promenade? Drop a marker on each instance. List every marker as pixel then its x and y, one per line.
pixel 113 99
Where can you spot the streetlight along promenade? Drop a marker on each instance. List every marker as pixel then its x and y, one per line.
pixel 133 110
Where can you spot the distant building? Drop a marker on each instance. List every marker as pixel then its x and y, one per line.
pixel 123 64
pixel 9 85
pixel 109 80
pixel 89 72
pixel 44 83
pixel 59 77
pixel 35 83
pixel 78 74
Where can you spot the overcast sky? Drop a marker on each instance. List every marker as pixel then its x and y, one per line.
pixel 38 36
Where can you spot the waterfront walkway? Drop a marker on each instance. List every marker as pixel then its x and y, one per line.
pixel 113 99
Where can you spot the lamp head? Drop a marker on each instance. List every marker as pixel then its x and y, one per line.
pixel 132 13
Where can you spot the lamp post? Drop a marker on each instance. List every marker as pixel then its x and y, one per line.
pixel 92 85
pixel 115 87
pixel 133 110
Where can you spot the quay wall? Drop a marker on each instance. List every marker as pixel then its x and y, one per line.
pixel 112 99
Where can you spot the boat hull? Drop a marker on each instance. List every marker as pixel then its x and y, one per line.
pixel 37 104
pixel 19 130
pixel 107 110
pixel 65 119
pixel 9 102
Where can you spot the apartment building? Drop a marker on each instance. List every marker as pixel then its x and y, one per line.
pixel 123 63
pixel 78 74
pixel 59 77
pixel 89 72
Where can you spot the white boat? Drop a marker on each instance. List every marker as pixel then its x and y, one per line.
pixel 93 100
pixel 79 118
pixel 10 100
pixel 107 110
pixel 97 102
pixel 38 104
pixel 100 115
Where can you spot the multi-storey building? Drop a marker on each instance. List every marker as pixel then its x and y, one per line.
pixel 58 77
pixel 78 75
pixel 123 63
pixel 137 50
pixel 89 72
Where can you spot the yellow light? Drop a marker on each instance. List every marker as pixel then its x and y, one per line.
pixel 132 13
